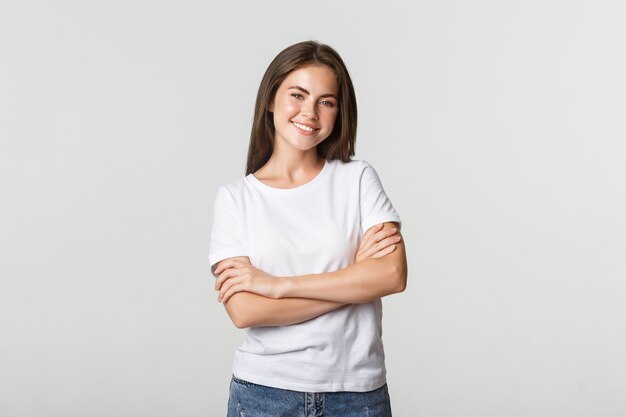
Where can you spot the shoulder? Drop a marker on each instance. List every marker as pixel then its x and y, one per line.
pixel 356 170
pixel 354 166
pixel 232 190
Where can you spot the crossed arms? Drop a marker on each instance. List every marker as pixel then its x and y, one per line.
pixel 254 298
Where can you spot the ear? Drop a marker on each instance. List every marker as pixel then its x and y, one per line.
pixel 270 107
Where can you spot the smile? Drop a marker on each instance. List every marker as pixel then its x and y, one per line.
pixel 304 128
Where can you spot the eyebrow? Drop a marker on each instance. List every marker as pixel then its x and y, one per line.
pixel 297 87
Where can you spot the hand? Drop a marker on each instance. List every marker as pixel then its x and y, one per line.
pixel 236 274
pixel 377 242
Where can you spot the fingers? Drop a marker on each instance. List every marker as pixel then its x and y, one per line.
pixel 231 291
pixel 373 230
pixel 385 243
pixel 233 271
pixel 233 275
pixel 229 263
pixel 229 279
pixel 376 240
pixel 384 252
pixel 367 240
pixel 227 289
pixel 388 241
pixel 387 232
pixel 378 233
pixel 385 238
pixel 370 235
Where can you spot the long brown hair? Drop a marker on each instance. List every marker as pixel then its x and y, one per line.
pixel 340 143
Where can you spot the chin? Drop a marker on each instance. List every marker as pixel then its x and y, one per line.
pixel 305 148
pixel 302 145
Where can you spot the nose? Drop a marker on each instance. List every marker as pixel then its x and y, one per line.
pixel 308 110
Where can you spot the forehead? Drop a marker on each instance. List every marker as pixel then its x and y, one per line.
pixel 314 78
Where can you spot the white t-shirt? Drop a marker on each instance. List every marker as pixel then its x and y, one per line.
pixel 309 229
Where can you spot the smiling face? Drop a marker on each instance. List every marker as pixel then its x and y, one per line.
pixel 305 107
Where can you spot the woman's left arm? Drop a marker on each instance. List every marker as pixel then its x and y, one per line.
pixel 360 282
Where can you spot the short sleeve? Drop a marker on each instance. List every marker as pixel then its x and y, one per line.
pixel 226 233
pixel 375 205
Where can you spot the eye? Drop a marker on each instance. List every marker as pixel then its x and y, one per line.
pixel 296 95
pixel 328 103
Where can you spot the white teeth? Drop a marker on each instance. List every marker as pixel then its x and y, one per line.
pixel 303 127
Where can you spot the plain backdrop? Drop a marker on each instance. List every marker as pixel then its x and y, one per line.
pixel 498 130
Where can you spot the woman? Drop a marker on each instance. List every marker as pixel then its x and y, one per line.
pixel 293 264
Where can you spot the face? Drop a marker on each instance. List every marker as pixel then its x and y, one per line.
pixel 305 107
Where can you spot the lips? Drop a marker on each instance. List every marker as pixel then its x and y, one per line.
pixel 304 128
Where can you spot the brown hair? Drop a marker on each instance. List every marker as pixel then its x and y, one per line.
pixel 340 143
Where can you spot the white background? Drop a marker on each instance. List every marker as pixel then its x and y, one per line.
pixel 497 127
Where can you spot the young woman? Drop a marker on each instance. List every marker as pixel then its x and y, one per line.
pixel 303 248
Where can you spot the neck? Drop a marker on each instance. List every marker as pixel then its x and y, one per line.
pixel 291 165
pixel 289 159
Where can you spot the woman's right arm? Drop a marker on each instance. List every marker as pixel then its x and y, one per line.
pixel 252 310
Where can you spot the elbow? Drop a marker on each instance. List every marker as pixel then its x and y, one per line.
pixel 238 313
pixel 240 322
pixel 399 280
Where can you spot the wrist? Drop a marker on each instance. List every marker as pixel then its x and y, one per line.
pixel 284 287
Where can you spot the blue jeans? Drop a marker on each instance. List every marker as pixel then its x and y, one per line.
pixel 252 400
